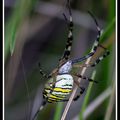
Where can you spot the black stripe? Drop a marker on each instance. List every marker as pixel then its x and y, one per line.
pixel 67 85
pixel 71 24
pixel 60 95
pixel 53 100
pixel 95 48
pixel 97 61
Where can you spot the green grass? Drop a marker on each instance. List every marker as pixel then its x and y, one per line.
pixel 58 111
pixel 109 30
pixel 86 99
pixel 19 14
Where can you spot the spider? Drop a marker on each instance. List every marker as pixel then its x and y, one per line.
pixel 60 80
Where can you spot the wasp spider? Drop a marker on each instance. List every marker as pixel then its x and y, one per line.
pixel 60 80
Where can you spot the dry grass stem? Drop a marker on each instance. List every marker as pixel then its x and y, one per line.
pixel 74 91
pixel 97 102
pixel 110 105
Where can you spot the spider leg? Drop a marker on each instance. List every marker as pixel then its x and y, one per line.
pixel 78 84
pixel 95 46
pixel 78 95
pixel 44 101
pixel 84 77
pixel 42 72
pixel 67 50
pixel 98 60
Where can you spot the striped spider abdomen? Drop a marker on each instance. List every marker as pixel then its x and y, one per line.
pixel 60 89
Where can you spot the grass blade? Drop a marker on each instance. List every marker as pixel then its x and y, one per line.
pixel 111 104
pixel 58 111
pixel 86 99
pixel 108 31
pixel 20 12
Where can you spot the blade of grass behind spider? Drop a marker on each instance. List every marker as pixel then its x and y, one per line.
pixel 109 29
pixel 86 99
pixel 58 111
pixel 111 103
pixel 111 9
pixel 19 13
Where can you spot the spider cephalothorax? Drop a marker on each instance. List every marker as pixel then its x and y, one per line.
pixel 61 79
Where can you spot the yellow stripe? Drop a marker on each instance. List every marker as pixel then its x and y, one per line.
pixel 62 90
pixel 52 100
pixel 55 97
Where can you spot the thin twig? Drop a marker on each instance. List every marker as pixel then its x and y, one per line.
pixel 74 91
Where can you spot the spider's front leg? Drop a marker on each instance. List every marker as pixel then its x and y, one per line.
pixel 94 49
pixel 98 60
pixel 95 46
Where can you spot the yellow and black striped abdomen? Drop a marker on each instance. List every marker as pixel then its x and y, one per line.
pixel 61 89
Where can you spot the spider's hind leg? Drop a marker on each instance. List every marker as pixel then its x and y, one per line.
pixel 85 78
pixel 42 72
pixel 78 84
